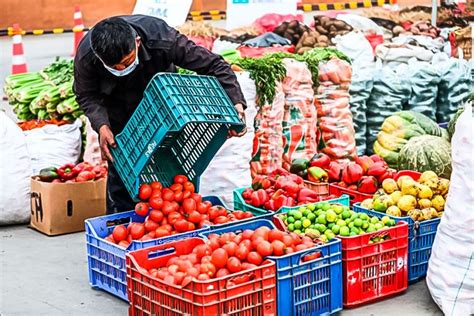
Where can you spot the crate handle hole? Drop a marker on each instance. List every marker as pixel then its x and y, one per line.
pixel 162 252
pixel 118 221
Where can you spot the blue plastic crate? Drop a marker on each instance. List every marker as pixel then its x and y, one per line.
pixel 421 236
pixel 303 288
pixel 106 261
pixel 177 128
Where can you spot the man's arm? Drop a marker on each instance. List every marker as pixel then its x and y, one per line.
pixel 188 55
pixel 88 97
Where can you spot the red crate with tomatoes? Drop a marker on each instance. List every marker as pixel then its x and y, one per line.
pixel 185 278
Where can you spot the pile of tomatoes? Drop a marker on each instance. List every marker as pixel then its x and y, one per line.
pixel 229 253
pixel 171 210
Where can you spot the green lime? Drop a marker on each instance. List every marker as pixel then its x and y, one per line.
pixel 318 212
pixel 290 219
pixel 345 214
pixel 363 216
pixel 311 207
pixel 361 232
pixel 385 220
pixel 297 215
pixel 306 223
pixel 355 230
pixel 297 231
pixel 291 227
pixel 365 225
pixel 322 228
pixel 298 224
pixel 291 213
pixel 311 216
pixel 337 208
pixel 318 205
pixel 305 211
pixel 350 225
pixel 331 216
pixel 335 229
pixel 323 238
pixel 374 220
pixel 392 223
pixel 321 219
pixel 354 216
pixel 344 231
pixel 358 222
pixel 329 234
pixel 325 206
pixel 341 222
pixel 371 228
pixel 331 225
pixel 352 212
pixel 352 234
pixel 348 221
pixel 378 226
pixel 346 208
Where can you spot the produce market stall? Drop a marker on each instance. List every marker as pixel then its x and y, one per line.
pixel 336 198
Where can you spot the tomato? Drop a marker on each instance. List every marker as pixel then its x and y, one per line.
pixel 156 216
pixel 173 217
pixel 178 196
pixel 156 193
pixel 141 209
pixel 152 234
pixel 196 197
pixel 256 241
pixel 156 202
pixel 203 277
pixel 296 238
pixel 312 256
pixel 167 195
pixel 231 247
pixel 194 217
pixel 176 187
pixel 110 238
pixel 237 214
pixel 233 265
pixel 168 227
pixel 124 244
pixel 278 247
pixel 144 192
pixel 189 186
pixel 225 238
pixel 172 260
pixel 219 258
pixel 247 234
pixel 216 211
pixel 214 244
pixel 193 258
pixel 222 272
pixel 146 237
pixel 173 268
pixel 137 231
pixel 150 225
pixel 208 268
pixel 179 277
pixel 164 222
pixel 242 252
pixel 129 239
pixel 202 250
pixel 275 234
pixel 300 247
pixel 161 232
pixel 167 207
pixel 221 220
pixel 162 273
pixel 184 265
pixel 169 279
pixel 180 179
pixel 193 272
pixel 247 266
pixel 119 233
pixel 206 259
pixel 246 243
pixel 186 195
pixel 189 205
pixel 156 185
pixel 191 226
pixel 181 225
pixel 237 239
pixel 254 258
pixel 175 206
pixel 202 208
pixel 287 240
pixel 262 231
pixel 247 215
pixel 264 248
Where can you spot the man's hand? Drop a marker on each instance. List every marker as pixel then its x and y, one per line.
pixel 106 139
pixel 240 110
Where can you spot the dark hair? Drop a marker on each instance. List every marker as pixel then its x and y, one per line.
pixel 112 39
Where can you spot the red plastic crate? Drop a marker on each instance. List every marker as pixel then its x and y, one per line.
pixel 353 195
pixel 150 296
pixel 373 271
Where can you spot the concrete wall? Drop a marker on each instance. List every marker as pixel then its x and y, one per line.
pixel 48 14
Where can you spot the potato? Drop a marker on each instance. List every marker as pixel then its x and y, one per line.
pixel 321 45
pixel 303 50
pixel 293 24
pixel 340 25
pixel 321 30
pixel 323 39
pixel 309 41
pixel 332 28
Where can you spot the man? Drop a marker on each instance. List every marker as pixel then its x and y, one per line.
pixel 113 65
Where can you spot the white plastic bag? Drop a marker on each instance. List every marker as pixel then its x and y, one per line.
pixel 360 23
pixel 356 46
pixel 220 46
pixel 450 276
pixel 53 146
pixel 230 168
pixel 15 171
pixel 92 150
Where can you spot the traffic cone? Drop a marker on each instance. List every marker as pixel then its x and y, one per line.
pixel 78 28
pixel 18 60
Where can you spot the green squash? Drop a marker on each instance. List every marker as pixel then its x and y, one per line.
pixel 452 123
pixel 424 153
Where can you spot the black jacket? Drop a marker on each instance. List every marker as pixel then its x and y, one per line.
pixel 111 100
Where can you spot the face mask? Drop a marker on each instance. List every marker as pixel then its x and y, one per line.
pixel 126 71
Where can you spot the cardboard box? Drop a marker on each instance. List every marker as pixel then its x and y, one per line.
pixel 61 208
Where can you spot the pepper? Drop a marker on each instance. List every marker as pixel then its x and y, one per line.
pixel 67 172
pixel 247 194
pixel 320 160
pixel 303 174
pixel 260 182
pixel 85 175
pixel 259 198
pixel 299 164
pixel 100 171
pixel 83 166
pixel 307 195
pixel 48 174
pixel 316 174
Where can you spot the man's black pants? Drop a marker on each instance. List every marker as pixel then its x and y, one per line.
pixel 118 198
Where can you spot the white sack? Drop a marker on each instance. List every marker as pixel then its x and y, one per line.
pixel 15 171
pixel 53 146
pixel 230 168
pixel 356 46
pixel 360 23
pixel 450 276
